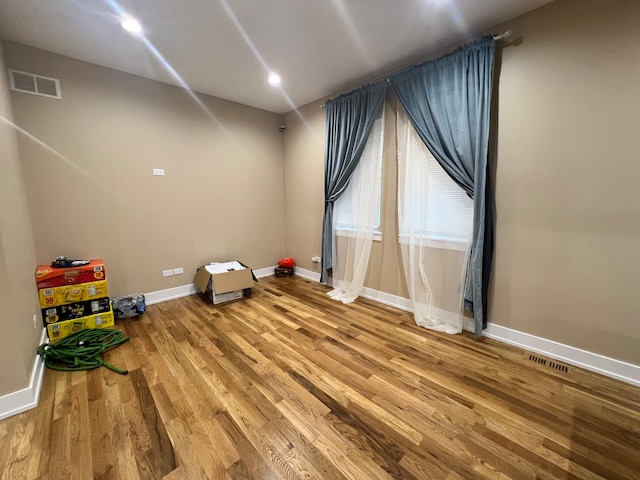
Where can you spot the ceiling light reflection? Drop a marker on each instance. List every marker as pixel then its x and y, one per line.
pixel 131 25
pixel 274 79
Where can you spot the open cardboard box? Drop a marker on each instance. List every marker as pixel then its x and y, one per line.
pixel 226 286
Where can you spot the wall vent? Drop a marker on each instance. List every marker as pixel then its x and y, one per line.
pixel 35 84
pixel 561 367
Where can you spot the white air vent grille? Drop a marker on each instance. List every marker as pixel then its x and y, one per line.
pixel 34 84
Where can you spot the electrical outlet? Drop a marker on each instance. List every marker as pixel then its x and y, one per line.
pixel 167 273
pixel 178 271
pixel 158 172
pixel 316 259
pixel 35 321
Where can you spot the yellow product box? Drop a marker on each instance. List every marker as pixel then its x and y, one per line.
pixel 59 330
pixel 51 297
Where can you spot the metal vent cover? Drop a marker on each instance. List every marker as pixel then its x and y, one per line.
pixel 26 82
pixel 561 367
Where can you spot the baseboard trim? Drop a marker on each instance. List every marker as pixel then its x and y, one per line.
pixel 27 398
pixel 387 299
pixel 308 274
pixel 264 272
pixel 625 372
pixel 169 294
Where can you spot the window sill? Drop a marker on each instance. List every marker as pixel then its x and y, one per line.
pixel 353 233
pixel 437 241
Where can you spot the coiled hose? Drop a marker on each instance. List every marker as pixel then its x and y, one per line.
pixel 81 350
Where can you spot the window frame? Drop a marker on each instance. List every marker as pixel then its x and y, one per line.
pixel 346 230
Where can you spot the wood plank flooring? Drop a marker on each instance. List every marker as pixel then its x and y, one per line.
pixel 289 384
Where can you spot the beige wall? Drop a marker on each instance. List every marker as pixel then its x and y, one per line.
pixel 567 180
pixel 221 197
pixel 304 177
pixel 18 298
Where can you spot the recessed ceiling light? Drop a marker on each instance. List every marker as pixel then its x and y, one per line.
pixel 274 79
pixel 131 25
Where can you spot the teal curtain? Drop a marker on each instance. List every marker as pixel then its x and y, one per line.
pixel 349 120
pixel 448 102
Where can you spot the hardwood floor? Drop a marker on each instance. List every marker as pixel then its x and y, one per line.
pixel 289 384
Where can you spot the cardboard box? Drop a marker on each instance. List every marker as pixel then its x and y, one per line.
pixel 72 311
pixel 48 276
pixel 60 330
pixel 225 286
pixel 52 297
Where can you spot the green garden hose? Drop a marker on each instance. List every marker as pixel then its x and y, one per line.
pixel 81 350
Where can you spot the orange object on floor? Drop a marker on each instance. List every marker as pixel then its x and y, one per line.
pixel 287 262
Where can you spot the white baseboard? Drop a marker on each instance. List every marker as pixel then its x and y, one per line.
pixel 387 299
pixel 264 272
pixel 308 274
pixel 27 398
pixel 594 362
pixel 169 294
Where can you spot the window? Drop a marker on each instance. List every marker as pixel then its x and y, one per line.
pixel 433 206
pixel 358 208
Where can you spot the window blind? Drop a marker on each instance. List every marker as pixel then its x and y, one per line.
pixel 367 177
pixel 435 206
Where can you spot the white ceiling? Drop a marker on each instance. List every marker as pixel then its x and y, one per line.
pixel 225 48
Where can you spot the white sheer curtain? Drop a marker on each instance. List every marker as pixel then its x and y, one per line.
pixel 435 225
pixel 356 219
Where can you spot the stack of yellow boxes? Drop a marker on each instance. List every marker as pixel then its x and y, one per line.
pixel 74 298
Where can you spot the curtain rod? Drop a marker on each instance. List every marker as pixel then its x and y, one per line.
pixel 503 36
pixel 497 38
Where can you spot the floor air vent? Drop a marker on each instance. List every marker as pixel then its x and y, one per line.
pixel 35 84
pixel 535 358
pixel 561 367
